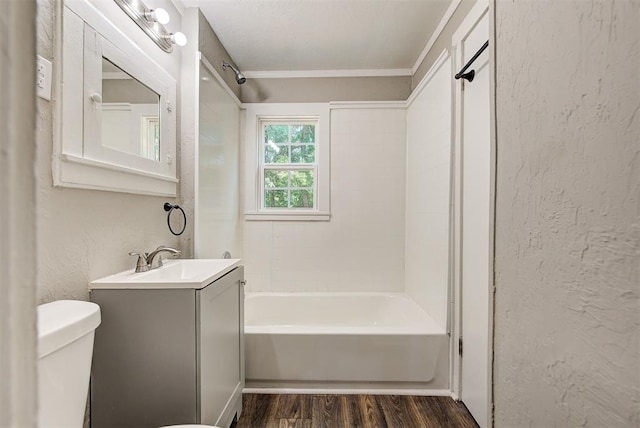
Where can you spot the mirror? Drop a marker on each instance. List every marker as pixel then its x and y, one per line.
pixel 130 113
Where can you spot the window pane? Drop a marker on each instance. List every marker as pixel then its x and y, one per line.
pixel 302 178
pixel 270 152
pixel 276 153
pixel 276 133
pixel 303 133
pixel 275 178
pixel 302 198
pixel 303 154
pixel 275 199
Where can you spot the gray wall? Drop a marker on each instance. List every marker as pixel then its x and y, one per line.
pixel 325 89
pixel 18 353
pixel 215 52
pixel 443 41
pixel 86 234
pixel 567 314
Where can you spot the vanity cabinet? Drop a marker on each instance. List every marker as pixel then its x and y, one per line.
pixel 169 356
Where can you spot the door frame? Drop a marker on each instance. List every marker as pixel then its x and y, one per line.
pixel 481 8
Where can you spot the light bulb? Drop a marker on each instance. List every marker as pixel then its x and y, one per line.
pixel 178 38
pixel 158 15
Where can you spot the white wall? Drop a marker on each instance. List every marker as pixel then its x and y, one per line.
pixel 428 202
pixel 567 308
pixel 362 247
pixel 84 234
pixel 218 205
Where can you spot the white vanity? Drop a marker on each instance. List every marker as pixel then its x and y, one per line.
pixel 170 349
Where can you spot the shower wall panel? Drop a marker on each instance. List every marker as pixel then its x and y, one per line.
pixel 428 182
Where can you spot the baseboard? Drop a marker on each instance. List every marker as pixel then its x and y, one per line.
pixel 350 391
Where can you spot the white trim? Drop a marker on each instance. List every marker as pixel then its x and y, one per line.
pixel 255 113
pixel 115 167
pixel 443 23
pixel 83 173
pixel 336 105
pixel 289 216
pixel 219 78
pixel 467 26
pixel 442 58
pixel 351 391
pixel 293 74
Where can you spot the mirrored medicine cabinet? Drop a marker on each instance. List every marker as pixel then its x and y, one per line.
pixel 116 113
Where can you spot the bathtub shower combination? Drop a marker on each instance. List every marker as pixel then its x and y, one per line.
pixel 354 340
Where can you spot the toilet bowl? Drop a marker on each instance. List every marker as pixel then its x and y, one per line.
pixel 66 330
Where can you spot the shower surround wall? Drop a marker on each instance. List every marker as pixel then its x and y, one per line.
pixel 567 308
pixel 362 247
pixel 86 234
pixel 428 183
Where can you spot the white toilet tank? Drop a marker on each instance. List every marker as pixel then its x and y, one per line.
pixel 65 346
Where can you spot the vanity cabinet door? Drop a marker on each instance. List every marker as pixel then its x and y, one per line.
pixel 220 331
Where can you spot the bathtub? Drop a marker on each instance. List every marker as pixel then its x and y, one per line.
pixel 350 338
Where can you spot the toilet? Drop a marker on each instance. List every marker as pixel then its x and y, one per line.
pixel 66 330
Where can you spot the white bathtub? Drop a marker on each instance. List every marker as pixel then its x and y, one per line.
pixel 340 337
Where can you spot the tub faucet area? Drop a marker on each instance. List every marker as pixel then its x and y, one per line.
pixel 149 261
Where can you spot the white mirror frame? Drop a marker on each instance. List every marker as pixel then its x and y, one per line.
pixel 79 158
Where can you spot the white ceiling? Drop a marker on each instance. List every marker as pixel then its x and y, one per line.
pixel 292 35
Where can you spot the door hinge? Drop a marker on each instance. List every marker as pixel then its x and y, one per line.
pixel 460 346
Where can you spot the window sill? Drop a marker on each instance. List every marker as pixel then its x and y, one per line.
pixel 287 216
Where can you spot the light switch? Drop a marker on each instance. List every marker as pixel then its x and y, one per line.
pixel 43 78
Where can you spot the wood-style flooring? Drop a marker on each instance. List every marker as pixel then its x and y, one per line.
pixel 336 411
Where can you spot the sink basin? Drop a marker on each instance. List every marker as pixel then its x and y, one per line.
pixel 176 273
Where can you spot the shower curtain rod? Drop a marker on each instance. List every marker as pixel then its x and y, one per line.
pixel 469 76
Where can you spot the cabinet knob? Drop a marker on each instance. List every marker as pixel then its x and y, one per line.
pixel 243 282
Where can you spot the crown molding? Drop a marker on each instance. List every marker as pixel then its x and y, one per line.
pixel 443 23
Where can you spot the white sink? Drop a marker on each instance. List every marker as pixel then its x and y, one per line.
pixel 178 273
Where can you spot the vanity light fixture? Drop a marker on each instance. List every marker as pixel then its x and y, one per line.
pixel 152 22
pixel 158 15
pixel 177 38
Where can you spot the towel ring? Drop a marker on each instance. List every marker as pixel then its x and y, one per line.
pixel 169 208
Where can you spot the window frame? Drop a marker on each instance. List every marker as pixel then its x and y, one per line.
pixel 256 116
pixel 264 166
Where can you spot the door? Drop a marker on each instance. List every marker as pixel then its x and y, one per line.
pixel 474 224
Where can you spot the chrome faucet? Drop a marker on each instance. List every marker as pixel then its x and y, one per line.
pixel 148 261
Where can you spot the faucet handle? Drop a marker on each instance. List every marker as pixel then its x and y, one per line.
pixel 141 264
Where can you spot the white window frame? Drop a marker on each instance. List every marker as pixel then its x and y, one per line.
pixel 256 115
pixel 263 166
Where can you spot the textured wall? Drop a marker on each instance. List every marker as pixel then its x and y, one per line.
pixel 567 312
pixel 85 234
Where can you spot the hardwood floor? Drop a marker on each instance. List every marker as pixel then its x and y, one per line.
pixel 336 411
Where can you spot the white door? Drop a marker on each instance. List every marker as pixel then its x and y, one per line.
pixel 474 225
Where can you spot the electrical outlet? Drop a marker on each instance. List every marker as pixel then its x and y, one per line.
pixel 43 78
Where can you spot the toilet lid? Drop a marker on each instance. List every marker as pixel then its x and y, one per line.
pixel 189 426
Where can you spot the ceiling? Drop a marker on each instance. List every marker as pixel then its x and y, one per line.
pixel 295 35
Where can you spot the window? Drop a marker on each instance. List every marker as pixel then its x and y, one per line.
pixel 287 155
pixel 288 167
